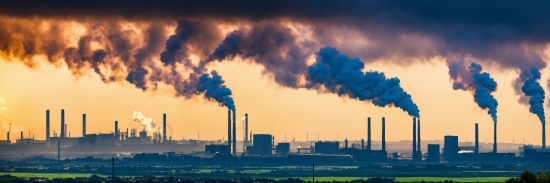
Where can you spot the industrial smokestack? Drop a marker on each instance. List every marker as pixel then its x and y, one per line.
pixel 8 137
pixel 246 131
pixel 47 126
pixel 477 140
pixel 543 136
pixel 369 142
pixel 495 138
pixel 58 151
pixel 363 144
pixel 229 129
pixel 62 123
pixel 414 137
pixel 234 132
pixel 383 134
pixel 116 129
pixel 164 127
pixel 419 141
pixel 83 125
pixel 21 134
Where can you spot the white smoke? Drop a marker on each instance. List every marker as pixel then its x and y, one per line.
pixel 12 128
pixel 2 107
pixel 147 123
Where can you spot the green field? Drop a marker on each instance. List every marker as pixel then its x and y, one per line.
pixel 400 179
pixel 48 175
pixel 412 179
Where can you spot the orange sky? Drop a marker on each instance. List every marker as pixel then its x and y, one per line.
pixel 272 109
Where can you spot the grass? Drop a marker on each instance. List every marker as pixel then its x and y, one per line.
pixel 47 175
pixel 409 179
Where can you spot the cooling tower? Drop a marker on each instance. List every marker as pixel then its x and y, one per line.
pixel 83 125
pixel 234 132
pixel 383 134
pixel 229 129
pixel 62 123
pixel 414 137
pixel 47 126
pixel 495 138
pixel 476 140
pixel 164 127
pixel 543 136
pixel 369 142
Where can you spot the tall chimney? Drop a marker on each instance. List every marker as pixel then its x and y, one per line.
pixel 414 137
pixel 477 140
pixel 383 134
pixel 62 123
pixel 8 137
pixel 246 132
pixel 229 129
pixel 495 139
pixel 418 133
pixel 83 125
pixel 116 129
pixel 234 132
pixel 164 127
pixel 47 126
pixel 369 142
pixel 543 136
pixel 58 151
pixel 21 134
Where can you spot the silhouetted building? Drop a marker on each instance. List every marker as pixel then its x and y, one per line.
pixel 326 147
pixel 433 153
pixel 217 148
pixel 450 148
pixel 282 148
pixel 261 145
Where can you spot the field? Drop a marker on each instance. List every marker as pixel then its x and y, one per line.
pixel 400 179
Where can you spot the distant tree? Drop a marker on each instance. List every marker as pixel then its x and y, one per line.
pixel 528 177
pixel 543 177
pixel 512 180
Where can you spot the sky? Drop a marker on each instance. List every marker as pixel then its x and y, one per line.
pixel 294 66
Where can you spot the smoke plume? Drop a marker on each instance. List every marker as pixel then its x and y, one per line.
pixel 535 92
pixel 147 123
pixel 339 74
pixel 2 103
pixel 480 83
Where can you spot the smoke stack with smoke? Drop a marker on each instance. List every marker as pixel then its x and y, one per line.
pixel 147 123
pixel 532 89
pixel 339 74
pixel 475 81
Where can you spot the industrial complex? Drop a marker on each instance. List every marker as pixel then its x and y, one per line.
pixel 142 144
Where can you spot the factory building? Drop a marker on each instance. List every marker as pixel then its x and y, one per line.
pixel 327 147
pixel 282 148
pixel 217 148
pixel 433 153
pixel 450 148
pixel 261 145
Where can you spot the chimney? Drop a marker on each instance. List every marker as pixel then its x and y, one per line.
pixel 229 129
pixel 83 125
pixel 543 136
pixel 246 131
pixel 369 142
pixel 418 133
pixel 62 123
pixel 495 138
pixel 21 134
pixel 476 143
pixel 116 129
pixel 47 126
pixel 414 137
pixel 58 151
pixel 383 134
pixel 8 137
pixel 234 132
pixel 346 143
pixel 363 144
pixel 164 127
